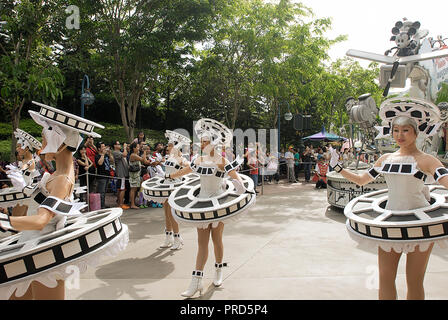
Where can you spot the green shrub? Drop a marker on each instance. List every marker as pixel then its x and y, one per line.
pixel 114 132
pixel 111 133
pixel 27 125
pixel 5 152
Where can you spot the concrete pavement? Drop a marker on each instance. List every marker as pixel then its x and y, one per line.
pixel 291 245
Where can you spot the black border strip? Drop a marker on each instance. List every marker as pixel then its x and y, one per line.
pixel 404 232
pixel 57 252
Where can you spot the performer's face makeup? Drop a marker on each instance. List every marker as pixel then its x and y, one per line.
pixel 204 143
pixel 169 147
pixel 404 135
pixel 20 152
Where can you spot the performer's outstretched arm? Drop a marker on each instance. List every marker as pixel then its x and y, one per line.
pixel 35 222
pixel 43 216
pixel 360 180
pixel 432 165
pixel 180 173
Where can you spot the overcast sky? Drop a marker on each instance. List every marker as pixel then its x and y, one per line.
pixel 368 24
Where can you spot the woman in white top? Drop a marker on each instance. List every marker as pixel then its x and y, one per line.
pixel 60 186
pixel 59 140
pixel 405 192
pixel 213 169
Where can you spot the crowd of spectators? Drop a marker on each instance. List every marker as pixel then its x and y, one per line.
pixel 121 167
pixel 312 162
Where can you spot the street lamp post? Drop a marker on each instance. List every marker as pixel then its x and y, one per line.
pixel 288 117
pixel 87 98
pixel 279 118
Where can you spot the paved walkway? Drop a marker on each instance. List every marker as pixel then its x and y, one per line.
pixel 291 245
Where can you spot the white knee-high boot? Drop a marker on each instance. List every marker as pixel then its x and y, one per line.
pixel 195 284
pixel 218 273
pixel 178 242
pixel 169 239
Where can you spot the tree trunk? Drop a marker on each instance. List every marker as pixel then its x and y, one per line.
pixel 235 107
pixel 167 113
pixel 15 118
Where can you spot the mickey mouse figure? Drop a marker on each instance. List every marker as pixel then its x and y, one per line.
pixel 407 35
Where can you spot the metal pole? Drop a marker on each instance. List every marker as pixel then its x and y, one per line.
pixel 84 79
pixel 88 190
pixel 279 148
pixel 263 171
pixel 82 109
pixel 279 118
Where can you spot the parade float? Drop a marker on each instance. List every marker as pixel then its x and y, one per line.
pixel 341 191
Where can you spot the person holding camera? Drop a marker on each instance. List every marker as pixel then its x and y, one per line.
pixel 84 165
pixel 121 172
pixel 102 161
pixel 135 162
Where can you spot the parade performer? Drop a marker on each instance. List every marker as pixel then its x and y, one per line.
pixel 158 189
pixel 406 217
pixel 34 263
pixel 220 196
pixel 23 176
pixel 320 174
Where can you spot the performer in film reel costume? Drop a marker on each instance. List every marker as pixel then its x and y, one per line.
pixel 407 217
pixel 52 241
pixel 16 200
pixel 158 189
pixel 218 197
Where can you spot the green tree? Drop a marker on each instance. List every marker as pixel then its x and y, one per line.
pixel 27 65
pixel 442 95
pixel 135 40
pixel 259 55
pixel 345 78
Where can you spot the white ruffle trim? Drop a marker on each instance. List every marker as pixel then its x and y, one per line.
pixel 49 278
pixel 204 225
pixel 397 246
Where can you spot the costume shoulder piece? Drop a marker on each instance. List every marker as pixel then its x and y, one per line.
pixel 62 127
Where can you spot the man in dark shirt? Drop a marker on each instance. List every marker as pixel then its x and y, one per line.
pixel 306 160
pixel 102 161
pixel 121 172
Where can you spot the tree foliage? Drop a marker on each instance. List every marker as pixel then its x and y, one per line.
pixel 240 62
pixel 27 66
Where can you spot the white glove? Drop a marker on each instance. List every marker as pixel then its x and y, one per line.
pixel 334 160
pixel 239 187
pixel 17 180
pixel 60 222
pixel 12 168
pixel 5 223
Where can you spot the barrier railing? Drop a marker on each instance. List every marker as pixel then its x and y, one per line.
pixel 261 173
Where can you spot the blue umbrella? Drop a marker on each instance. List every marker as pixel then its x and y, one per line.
pixel 324 135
